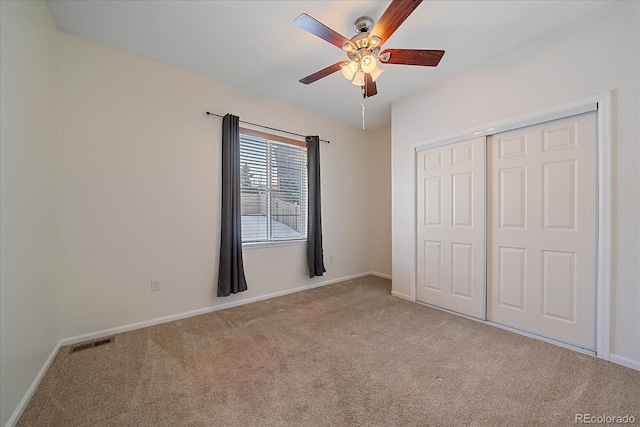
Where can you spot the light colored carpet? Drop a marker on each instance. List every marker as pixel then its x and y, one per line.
pixel 339 355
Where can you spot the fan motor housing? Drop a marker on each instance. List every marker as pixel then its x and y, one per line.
pixel 364 24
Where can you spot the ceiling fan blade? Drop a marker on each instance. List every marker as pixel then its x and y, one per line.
pixel 317 28
pixel 369 89
pixel 426 58
pixel 322 73
pixel 393 17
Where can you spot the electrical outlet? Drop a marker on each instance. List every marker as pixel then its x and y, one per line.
pixel 155 285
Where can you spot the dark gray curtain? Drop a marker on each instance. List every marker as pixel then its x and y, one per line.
pixel 231 278
pixel 315 258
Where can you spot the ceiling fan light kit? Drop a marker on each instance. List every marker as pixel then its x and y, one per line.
pixel 375 73
pixel 349 69
pixel 358 80
pixel 363 50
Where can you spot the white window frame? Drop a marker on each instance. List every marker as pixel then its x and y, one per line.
pixel 278 242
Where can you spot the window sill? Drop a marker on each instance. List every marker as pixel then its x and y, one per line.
pixel 260 245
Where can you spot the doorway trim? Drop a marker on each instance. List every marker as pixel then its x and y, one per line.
pixel 601 103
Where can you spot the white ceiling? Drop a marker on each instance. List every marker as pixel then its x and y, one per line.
pixel 255 47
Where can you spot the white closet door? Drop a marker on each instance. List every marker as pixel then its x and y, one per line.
pixel 450 227
pixel 542 229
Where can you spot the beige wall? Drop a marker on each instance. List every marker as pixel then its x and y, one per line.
pixel 597 53
pixel 380 215
pixel 139 168
pixel 29 315
pixel 110 179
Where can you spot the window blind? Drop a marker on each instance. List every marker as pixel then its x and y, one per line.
pixel 273 180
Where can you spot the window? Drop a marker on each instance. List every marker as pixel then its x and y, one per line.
pixel 273 181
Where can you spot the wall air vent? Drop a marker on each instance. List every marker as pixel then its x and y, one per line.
pixel 91 344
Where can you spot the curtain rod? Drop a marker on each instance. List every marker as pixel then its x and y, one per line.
pixel 266 127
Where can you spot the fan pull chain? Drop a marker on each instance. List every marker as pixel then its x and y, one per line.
pixel 362 103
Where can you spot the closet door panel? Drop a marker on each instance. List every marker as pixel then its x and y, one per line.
pixel 450 227
pixel 542 227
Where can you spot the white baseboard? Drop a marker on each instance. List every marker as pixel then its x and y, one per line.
pixel 13 420
pixel 15 417
pixel 165 319
pixel 613 358
pixel 624 361
pixel 384 276
pixel 401 295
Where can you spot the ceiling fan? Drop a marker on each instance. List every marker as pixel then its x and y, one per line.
pixel 363 50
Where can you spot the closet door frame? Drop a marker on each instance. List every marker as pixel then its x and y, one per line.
pixel 601 103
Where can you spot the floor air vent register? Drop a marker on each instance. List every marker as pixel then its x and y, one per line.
pixel 91 344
